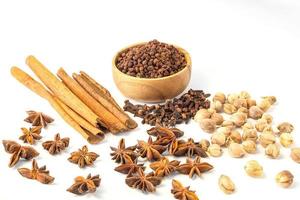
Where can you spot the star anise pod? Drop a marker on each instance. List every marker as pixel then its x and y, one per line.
pixel 129 167
pixel 85 185
pixel 146 183
pixel 31 135
pixel 83 157
pixel 122 153
pixel 37 173
pixel 150 150
pixel 160 131
pixel 189 148
pixel 57 145
pixel 38 118
pixel 182 193
pixel 18 152
pixel 192 167
pixel 164 167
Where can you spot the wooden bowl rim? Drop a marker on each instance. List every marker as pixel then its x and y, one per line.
pixel 186 55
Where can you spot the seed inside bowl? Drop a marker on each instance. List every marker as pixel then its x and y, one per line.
pixel 151 60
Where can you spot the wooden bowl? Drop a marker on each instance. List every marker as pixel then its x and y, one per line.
pixel 155 89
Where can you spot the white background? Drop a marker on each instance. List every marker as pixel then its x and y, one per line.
pixel 235 45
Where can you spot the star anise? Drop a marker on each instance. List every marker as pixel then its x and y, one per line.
pixel 129 167
pixel 122 153
pixel 182 193
pixel 18 152
pixel 37 173
pixel 150 150
pixel 31 135
pixel 192 167
pixel 57 145
pixel 160 131
pixel 146 183
pixel 85 185
pixel 190 148
pixel 38 118
pixel 83 157
pixel 164 167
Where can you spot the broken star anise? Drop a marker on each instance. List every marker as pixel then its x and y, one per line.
pixel 122 153
pixel 85 185
pixel 182 193
pixel 31 135
pixel 192 167
pixel 189 148
pixel 38 118
pixel 83 157
pixel 150 150
pixel 57 145
pixel 164 167
pixel 37 173
pixel 129 167
pixel 146 183
pixel 18 152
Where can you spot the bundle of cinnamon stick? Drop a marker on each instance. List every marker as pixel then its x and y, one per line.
pixel 82 102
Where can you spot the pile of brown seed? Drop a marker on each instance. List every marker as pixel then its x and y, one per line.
pixel 151 60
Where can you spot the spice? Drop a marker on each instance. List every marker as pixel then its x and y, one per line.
pixel 85 185
pixel 220 96
pixel 38 173
pixel 255 112
pixel 226 184
pixel 249 134
pixel 272 151
pixel 266 138
pixel 267 117
pixel 38 118
pixel 234 136
pixel 208 125
pixel 31 135
pixel 164 167
pixel 182 193
pixel 122 153
pixel 151 60
pixel 57 145
pixel 215 150
pixel 295 154
pixel 253 168
pixel 202 114
pixel 261 124
pixel 189 148
pixel 285 127
pixel 249 146
pixel 286 139
pixel 204 144
pixel 229 108
pixel 236 150
pixel 192 167
pixel 172 112
pixel 129 167
pixel 18 152
pixel 239 119
pixel 150 150
pixel 284 178
pixel 141 181
pixel 218 138
pixel 83 157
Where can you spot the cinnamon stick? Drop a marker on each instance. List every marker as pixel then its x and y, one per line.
pixel 61 91
pixel 110 121
pixel 104 98
pixel 92 135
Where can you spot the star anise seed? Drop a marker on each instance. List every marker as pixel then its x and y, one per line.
pixel 83 157
pixel 31 135
pixel 192 167
pixel 129 167
pixel 38 118
pixel 57 145
pixel 150 150
pixel 122 153
pixel 190 148
pixel 37 173
pixel 182 193
pixel 164 167
pixel 85 185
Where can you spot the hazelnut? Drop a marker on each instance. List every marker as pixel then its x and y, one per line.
pixel 208 125
pixel 218 118
pixel 214 150
pixel 204 144
pixel 267 117
pixel 244 95
pixel 229 108
pixel 253 168
pixel 218 138
pixel 239 119
pixel 249 134
pixel 272 150
pixel 285 127
pixel 286 139
pixel 261 124
pixel 255 112
pixel 202 114
pixel 236 150
pixel 265 139
pixel 217 105
pixel 295 154
pixel 284 178
pixel 219 96
pixel 228 124
pixel 249 146
pixel 226 184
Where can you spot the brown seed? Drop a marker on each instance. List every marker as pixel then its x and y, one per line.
pixel 284 178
